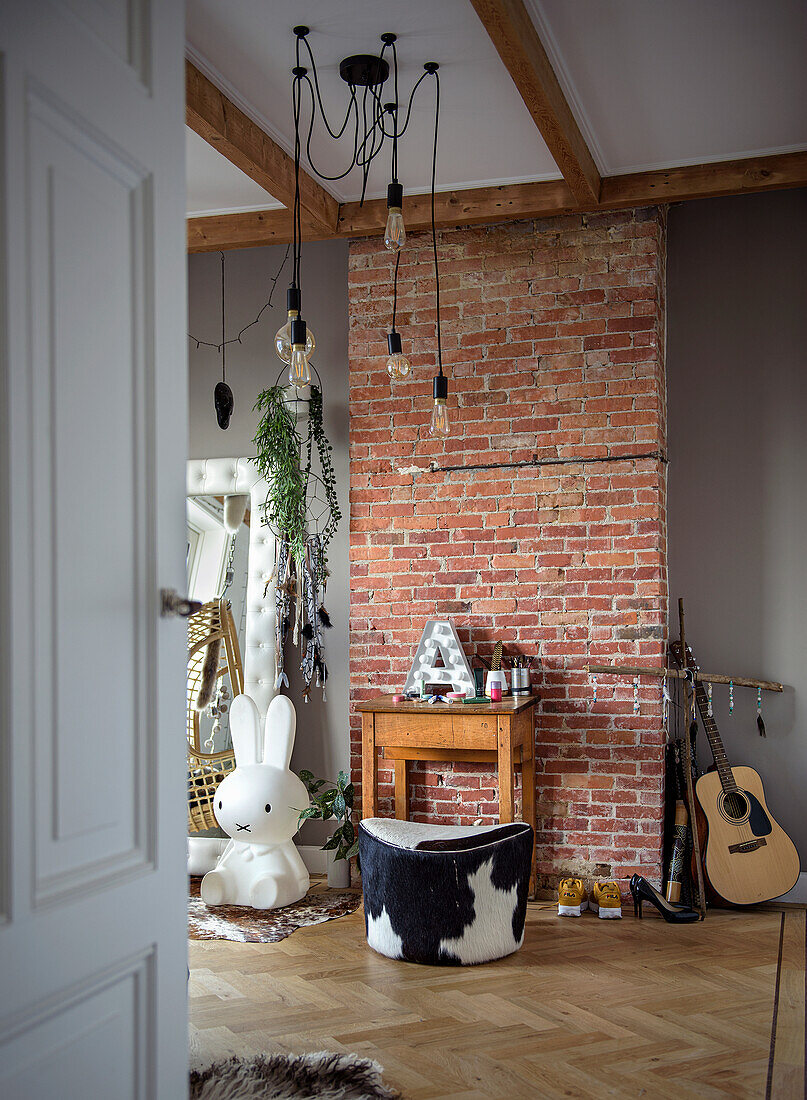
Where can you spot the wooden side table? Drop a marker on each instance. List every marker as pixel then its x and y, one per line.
pixel 494 733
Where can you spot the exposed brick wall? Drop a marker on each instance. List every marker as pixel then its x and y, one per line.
pixel 553 337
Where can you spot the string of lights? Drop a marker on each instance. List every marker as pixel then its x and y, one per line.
pixel 267 305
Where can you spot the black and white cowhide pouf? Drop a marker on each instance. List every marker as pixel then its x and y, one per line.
pixel 444 894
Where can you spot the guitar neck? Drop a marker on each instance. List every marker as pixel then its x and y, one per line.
pixel 712 733
pixel 715 740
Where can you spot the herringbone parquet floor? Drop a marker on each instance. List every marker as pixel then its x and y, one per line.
pixel 587 1008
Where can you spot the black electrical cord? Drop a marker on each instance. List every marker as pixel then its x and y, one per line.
pixel 334 133
pixel 369 118
pixel 395 117
pixel 434 226
pixel 395 289
pixel 223 341
pixel 296 222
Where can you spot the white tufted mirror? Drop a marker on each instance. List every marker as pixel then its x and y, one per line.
pixel 209 483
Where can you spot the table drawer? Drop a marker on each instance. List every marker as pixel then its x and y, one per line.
pixel 475 731
pixel 435 730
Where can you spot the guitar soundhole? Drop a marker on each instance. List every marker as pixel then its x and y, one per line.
pixel 735 805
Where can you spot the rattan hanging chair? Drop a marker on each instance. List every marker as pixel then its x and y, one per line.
pixel 212 625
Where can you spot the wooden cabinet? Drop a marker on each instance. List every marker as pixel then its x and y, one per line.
pixel 494 733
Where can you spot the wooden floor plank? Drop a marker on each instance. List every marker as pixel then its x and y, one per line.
pixel 587 1008
pixel 787 1077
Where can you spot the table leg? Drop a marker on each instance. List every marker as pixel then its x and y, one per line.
pixel 528 800
pixel 369 767
pixel 402 790
pixel 506 773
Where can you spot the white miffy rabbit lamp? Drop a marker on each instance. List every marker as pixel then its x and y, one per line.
pixel 258 806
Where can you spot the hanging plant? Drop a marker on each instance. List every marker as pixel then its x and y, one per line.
pixel 278 446
pixel 279 458
pixel 294 492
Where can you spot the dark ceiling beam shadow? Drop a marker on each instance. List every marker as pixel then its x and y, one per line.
pixel 223 125
pixel 518 44
pixel 512 202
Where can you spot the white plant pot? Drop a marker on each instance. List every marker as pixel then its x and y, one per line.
pixel 338 872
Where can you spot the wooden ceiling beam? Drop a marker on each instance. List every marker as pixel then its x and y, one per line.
pixel 250 230
pixel 486 205
pixel 224 126
pixel 703 181
pixel 519 46
pixel 474 206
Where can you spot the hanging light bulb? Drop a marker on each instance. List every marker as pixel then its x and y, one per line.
pixel 398 366
pixel 439 425
pixel 395 232
pixel 283 344
pixel 299 370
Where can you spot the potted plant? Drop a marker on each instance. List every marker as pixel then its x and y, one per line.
pixel 334 802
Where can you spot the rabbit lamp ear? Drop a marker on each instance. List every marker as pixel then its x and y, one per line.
pixel 278 741
pixel 245 728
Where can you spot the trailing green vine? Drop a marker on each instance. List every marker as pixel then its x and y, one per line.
pixel 324 452
pixel 279 453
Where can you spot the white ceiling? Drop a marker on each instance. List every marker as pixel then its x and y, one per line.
pixel 660 83
pixel 486 133
pixel 653 83
pixel 215 184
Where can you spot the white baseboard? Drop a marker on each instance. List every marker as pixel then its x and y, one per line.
pixel 798 895
pixel 315 860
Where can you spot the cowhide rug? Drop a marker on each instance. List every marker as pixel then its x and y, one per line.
pixel 292 1077
pixel 246 925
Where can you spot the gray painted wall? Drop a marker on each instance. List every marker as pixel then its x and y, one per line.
pixel 323 743
pixel 737 535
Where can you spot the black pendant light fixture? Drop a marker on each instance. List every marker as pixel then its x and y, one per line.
pixel 369 123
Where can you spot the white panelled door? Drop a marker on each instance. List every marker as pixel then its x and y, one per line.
pixel 92 471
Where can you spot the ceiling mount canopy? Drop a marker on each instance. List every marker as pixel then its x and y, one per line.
pixel 363 70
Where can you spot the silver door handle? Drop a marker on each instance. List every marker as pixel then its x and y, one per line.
pixel 172 605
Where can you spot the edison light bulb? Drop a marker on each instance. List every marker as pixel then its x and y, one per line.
pixel 299 370
pixel 439 424
pixel 283 343
pixel 398 366
pixel 395 232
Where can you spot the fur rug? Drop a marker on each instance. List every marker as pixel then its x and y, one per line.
pixel 243 924
pixel 324 1075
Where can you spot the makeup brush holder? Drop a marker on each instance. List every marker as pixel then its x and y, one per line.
pixel 521 681
pixel 496 678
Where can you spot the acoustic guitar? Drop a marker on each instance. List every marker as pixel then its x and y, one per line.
pixel 749 857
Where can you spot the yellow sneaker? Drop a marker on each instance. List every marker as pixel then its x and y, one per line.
pixel 571 897
pixel 606 900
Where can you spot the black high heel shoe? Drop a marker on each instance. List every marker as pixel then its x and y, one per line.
pixel 642 891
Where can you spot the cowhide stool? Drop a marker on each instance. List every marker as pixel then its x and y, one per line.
pixel 444 894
